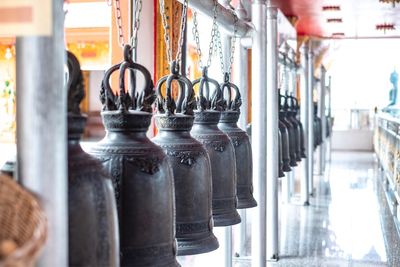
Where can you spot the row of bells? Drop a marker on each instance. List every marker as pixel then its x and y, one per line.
pixel 137 202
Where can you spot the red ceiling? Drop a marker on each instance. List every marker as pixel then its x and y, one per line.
pixel 359 17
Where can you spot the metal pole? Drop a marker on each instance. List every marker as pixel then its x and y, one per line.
pixel 240 78
pixel 305 121
pixel 272 134
pixel 42 130
pixel 225 17
pixel 310 126
pixel 259 131
pixel 321 114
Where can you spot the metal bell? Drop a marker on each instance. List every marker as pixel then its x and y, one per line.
pixel 241 142
pixel 190 165
pixel 92 215
pixel 291 117
pixel 285 147
pixel 296 109
pixel 280 166
pixel 140 171
pixel 291 132
pixel 222 158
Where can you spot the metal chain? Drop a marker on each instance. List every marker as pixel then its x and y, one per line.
pixel 166 27
pixel 135 25
pixel 233 46
pixel 196 37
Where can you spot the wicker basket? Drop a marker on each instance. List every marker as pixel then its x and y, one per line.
pixel 22 221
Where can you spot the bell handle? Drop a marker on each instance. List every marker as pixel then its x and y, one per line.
pixel 204 91
pixel 232 104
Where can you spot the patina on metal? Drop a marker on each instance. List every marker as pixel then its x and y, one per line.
pixel 220 151
pixel 190 165
pixel 290 130
pixel 241 142
pixel 92 215
pixel 142 177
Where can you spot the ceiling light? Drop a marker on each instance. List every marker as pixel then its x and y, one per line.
pixel 331 8
pixel 334 20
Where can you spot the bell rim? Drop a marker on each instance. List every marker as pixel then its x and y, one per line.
pixel 227 219
pixel 207 244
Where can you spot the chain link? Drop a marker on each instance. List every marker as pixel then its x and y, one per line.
pixel 167 37
pixel 233 46
pixel 135 25
pixel 213 34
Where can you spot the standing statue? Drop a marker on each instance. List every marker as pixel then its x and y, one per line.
pixel 394 77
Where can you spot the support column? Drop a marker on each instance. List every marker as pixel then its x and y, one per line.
pixel 241 79
pixel 42 131
pixel 310 114
pixel 304 96
pixel 259 131
pixel 272 134
pixel 321 114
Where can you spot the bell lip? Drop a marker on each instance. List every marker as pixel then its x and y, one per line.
pixel 126 120
pixel 197 246
pixel 207 116
pixel 229 116
pixel 76 125
pixel 246 203
pixel 174 122
pixel 227 219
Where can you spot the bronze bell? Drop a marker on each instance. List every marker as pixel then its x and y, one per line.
pixel 92 215
pixel 291 132
pixel 280 159
pixel 296 109
pixel 140 171
pixel 290 115
pixel 190 165
pixel 241 142
pixel 222 158
pixel 285 147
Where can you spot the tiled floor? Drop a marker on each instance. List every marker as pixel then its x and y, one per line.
pixel 344 226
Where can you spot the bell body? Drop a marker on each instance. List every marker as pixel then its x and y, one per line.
pixel 223 167
pixel 191 168
pixel 302 141
pixel 144 189
pixel 285 147
pixel 92 216
pixel 280 159
pixel 292 138
pixel 243 158
pixel 297 132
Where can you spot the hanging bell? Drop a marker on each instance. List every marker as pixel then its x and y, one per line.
pixel 291 117
pixel 190 165
pixel 285 147
pixel 241 142
pixel 140 171
pixel 296 109
pixel 222 158
pixel 290 130
pixel 280 166
pixel 92 216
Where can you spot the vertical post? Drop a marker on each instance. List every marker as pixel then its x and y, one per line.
pixel 272 133
pixel 42 130
pixel 321 114
pixel 259 131
pixel 304 96
pixel 310 126
pixel 240 77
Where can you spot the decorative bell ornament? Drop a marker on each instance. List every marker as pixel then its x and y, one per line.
pixel 285 147
pixel 222 157
pixel 280 166
pixel 92 215
pixel 241 142
pixel 296 109
pixel 190 165
pixel 140 171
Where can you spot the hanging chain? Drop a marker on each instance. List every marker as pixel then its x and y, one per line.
pixel 166 27
pixel 135 26
pixel 233 45
pixel 196 37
